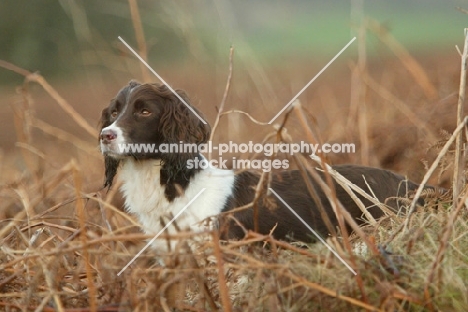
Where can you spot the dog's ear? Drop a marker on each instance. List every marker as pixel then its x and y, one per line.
pixel 110 164
pixel 105 119
pixel 179 123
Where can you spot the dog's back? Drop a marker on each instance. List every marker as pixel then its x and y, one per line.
pixel 290 186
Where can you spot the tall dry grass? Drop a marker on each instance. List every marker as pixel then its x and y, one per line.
pixel 63 239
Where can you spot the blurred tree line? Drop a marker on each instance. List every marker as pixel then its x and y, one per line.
pixel 59 38
pixel 65 38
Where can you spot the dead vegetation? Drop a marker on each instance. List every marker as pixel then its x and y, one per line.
pixel 63 240
pixel 60 260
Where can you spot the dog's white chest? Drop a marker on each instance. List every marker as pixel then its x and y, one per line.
pixel 144 196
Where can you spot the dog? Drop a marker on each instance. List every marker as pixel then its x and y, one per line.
pixel 157 186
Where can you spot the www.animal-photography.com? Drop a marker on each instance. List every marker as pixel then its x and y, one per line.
pixel 233 155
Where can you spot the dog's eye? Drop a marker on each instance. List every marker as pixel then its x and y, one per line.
pixel 114 113
pixel 145 112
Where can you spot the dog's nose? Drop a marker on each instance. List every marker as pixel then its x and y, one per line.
pixel 108 135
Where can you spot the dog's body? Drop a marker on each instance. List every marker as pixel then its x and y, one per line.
pixel 157 186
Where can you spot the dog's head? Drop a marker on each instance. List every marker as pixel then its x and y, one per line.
pixel 141 118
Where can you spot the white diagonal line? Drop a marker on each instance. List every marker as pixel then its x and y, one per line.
pixel 162 80
pixel 160 232
pixel 315 233
pixel 313 79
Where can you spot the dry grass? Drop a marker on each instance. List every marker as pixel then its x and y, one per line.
pixel 63 248
pixel 63 240
pixel 52 262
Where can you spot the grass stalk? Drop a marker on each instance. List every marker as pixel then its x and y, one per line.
pixel 459 163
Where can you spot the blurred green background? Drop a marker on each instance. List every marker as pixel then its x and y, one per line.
pixel 68 39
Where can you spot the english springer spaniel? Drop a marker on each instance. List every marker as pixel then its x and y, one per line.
pixel 156 185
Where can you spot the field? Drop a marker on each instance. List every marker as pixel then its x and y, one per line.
pixel 64 239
